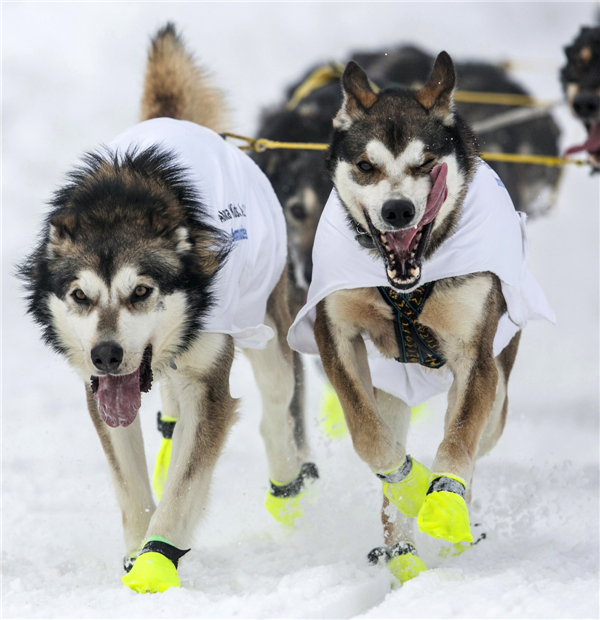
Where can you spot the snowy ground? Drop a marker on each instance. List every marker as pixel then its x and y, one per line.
pixel 71 78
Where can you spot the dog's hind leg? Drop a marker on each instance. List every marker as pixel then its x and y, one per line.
pixel 166 419
pixel 207 412
pixel 399 551
pixel 124 449
pixel 282 425
pixel 497 420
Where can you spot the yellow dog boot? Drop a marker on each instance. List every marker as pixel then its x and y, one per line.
pixel 155 569
pixel 401 560
pixel 166 426
pixel 283 500
pixel 406 487
pixel 444 513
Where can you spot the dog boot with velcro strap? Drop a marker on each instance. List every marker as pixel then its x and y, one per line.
pixel 401 560
pixel 406 486
pixel 155 569
pixel 166 426
pixel 444 513
pixel 283 500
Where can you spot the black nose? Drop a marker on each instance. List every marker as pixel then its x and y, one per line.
pixel 398 213
pixel 586 105
pixel 107 356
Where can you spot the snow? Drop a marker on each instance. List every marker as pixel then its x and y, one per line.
pixel 72 75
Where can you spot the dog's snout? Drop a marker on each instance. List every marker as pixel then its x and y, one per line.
pixel 586 105
pixel 107 356
pixel 398 213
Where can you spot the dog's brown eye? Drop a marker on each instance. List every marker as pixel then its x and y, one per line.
pixel 427 162
pixel 299 212
pixel 141 292
pixel 365 166
pixel 79 296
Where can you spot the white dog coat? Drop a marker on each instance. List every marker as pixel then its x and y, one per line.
pixel 490 237
pixel 240 201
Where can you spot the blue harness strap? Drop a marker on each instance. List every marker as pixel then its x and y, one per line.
pixel 416 343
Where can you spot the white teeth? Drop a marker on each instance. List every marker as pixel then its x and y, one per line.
pixel 391 273
pixel 414 271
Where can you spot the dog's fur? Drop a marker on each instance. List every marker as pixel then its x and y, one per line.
pixel 390 130
pixel 580 79
pixel 127 256
pixel 299 177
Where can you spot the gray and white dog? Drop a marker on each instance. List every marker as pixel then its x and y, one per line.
pixel 152 260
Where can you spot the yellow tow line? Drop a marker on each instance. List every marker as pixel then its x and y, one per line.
pixel 259 145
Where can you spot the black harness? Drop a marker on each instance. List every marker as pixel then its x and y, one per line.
pixel 416 343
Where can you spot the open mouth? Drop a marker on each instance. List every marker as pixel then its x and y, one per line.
pixel 119 397
pixel 591 145
pixel 402 250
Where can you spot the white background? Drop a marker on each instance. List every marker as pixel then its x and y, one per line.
pixel 71 77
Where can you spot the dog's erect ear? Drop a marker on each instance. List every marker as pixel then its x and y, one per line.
pixel 358 96
pixel 62 226
pixel 437 94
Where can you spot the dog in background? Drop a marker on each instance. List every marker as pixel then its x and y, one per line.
pixel 580 79
pixel 299 177
pixel 161 252
pixel 420 287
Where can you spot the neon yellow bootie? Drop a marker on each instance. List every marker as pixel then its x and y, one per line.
pixel 285 510
pixel 166 426
pixel 407 486
pixel 401 560
pixel 331 415
pixel 444 513
pixel 406 567
pixel 155 569
pixel 283 500
pixel 152 572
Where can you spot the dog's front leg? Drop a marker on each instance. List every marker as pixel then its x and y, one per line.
pixel 466 332
pixel 124 449
pixel 207 412
pixel 344 357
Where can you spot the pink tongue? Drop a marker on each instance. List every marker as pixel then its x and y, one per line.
pixel 119 398
pixel 400 241
pixel 592 144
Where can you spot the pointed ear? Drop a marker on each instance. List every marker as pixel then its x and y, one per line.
pixel 358 96
pixel 61 229
pixel 437 94
pixel 62 226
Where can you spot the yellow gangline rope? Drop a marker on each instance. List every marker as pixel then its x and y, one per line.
pixel 263 144
pixel 333 71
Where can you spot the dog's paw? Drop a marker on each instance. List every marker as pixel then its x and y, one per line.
pixel 152 572
pixel 408 493
pixel 155 569
pixel 283 500
pixel 401 560
pixel 444 513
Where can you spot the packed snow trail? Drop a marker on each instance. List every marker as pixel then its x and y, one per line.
pixel 535 495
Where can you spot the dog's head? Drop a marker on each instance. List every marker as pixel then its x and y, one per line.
pixel 120 281
pixel 400 161
pixel 581 82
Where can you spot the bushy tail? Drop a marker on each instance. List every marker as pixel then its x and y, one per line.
pixel 176 87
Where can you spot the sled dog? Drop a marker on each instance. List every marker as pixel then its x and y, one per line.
pixel 580 79
pixel 420 286
pixel 299 177
pixel 164 250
